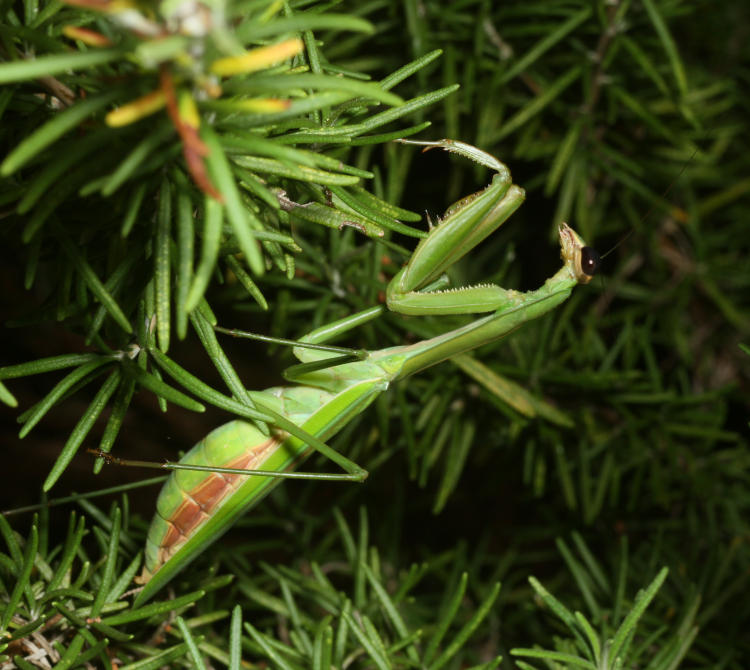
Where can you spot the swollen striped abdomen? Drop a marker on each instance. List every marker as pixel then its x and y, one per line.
pixel 189 497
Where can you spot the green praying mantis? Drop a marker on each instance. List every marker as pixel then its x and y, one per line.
pixel 197 505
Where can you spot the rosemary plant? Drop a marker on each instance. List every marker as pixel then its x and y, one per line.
pixel 171 166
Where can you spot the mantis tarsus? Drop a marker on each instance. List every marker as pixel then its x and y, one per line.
pixel 195 508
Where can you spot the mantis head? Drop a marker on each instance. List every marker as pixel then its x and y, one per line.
pixel 582 261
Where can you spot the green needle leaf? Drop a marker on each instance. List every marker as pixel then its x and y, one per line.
pixel 469 627
pixel 319 82
pixel 567 659
pixel 669 46
pixel 269 650
pixel 372 646
pixel 93 282
pixel 235 639
pixel 109 565
pixel 60 124
pixel 148 611
pixel 642 601
pixel 237 214
pixel 59 390
pixel 255 30
pixel 545 44
pixel 82 428
pixel 526 113
pixel 160 389
pixel 7 397
pixel 192 647
pixel 47 66
pixel 162 267
pixel 22 578
pixel 212 216
pixel 185 241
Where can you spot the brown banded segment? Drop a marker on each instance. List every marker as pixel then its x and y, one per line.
pixel 199 503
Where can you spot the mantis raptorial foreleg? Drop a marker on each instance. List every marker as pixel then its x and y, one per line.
pixel 194 508
pixel 462 227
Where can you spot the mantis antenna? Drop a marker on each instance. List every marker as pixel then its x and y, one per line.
pixel 651 209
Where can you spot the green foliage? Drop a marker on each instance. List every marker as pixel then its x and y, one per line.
pixel 208 158
pixel 622 117
pixel 69 605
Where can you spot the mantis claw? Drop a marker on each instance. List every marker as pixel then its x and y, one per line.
pixel 464 225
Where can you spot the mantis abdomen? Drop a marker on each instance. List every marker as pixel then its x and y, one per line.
pixel 196 507
pixel 191 498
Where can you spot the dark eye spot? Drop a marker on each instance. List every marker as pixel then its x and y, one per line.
pixel 590 261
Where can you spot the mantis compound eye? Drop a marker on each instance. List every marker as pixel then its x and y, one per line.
pixel 590 261
pixel 582 261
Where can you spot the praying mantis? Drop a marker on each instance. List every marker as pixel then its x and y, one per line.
pixel 196 507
